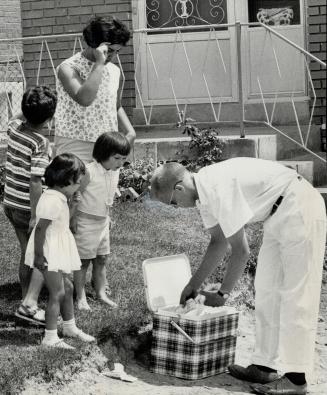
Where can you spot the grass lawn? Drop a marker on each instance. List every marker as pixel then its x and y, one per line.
pixel 142 230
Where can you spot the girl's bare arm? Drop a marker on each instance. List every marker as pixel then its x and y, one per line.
pixel 39 238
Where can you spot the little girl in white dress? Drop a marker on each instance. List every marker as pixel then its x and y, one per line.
pixel 52 248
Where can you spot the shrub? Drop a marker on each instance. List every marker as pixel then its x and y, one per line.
pixel 207 144
pixel 137 175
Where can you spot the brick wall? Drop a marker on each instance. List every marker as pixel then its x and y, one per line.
pixel 48 17
pixel 10 27
pixel 317 46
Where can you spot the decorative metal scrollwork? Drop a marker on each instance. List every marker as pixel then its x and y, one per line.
pixel 275 16
pixel 163 13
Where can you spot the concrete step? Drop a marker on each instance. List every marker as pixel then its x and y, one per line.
pixel 304 168
pixel 319 166
pixel 172 148
pixel 285 147
pixel 230 112
pixel 176 148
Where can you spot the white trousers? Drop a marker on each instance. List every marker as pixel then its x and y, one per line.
pixel 288 281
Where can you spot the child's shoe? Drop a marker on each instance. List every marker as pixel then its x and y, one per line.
pixel 58 343
pixel 34 315
pixel 70 329
pixel 78 334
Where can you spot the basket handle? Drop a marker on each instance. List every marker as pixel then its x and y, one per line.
pixel 181 331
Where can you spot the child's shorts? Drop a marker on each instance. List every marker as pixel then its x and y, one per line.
pixel 92 236
pixel 20 219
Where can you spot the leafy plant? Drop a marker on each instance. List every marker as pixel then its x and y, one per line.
pixel 137 175
pixel 206 142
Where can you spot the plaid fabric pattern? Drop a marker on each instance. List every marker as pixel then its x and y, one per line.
pixel 214 349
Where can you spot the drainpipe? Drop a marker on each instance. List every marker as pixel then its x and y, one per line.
pixel 239 77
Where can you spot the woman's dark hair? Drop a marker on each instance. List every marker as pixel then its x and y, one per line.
pixel 105 29
pixel 39 104
pixel 63 170
pixel 109 144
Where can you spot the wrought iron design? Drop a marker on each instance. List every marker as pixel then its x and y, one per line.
pixel 176 13
pixel 276 16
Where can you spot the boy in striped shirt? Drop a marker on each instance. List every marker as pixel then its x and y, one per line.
pixel 28 155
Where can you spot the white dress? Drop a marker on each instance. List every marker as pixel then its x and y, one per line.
pixel 59 246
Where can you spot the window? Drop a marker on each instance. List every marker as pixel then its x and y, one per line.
pixel 275 12
pixel 177 13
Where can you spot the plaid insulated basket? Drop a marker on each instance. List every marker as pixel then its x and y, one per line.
pixel 193 349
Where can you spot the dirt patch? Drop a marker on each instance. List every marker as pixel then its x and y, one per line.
pixel 91 381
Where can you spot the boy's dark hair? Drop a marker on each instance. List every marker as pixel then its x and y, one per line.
pixel 39 104
pixel 109 144
pixel 63 170
pixel 105 29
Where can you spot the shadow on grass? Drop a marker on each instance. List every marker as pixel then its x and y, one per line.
pixel 20 337
pixel 11 291
pixel 223 381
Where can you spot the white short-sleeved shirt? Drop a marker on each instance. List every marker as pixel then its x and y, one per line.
pixel 59 247
pixel 100 191
pixel 240 190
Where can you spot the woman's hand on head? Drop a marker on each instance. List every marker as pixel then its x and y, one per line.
pixel 101 53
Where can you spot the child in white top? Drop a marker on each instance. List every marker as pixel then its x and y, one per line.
pixel 52 248
pixel 91 221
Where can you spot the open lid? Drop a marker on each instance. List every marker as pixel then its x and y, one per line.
pixel 165 278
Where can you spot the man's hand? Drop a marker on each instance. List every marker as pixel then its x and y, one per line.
pixel 40 263
pixel 213 299
pixel 188 293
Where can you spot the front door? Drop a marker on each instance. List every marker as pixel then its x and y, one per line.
pixel 189 66
pixel 200 66
pixel 278 66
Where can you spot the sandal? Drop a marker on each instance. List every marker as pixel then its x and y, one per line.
pixel 35 316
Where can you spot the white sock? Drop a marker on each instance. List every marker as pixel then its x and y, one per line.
pixel 50 336
pixel 69 327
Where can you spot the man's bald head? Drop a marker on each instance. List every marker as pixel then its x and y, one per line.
pixel 164 180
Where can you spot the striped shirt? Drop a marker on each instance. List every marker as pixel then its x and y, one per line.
pixel 28 154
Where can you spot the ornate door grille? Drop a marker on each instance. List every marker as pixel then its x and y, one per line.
pixel 176 13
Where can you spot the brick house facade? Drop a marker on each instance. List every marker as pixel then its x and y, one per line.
pixel 48 17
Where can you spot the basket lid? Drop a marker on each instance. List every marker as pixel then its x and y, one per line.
pixel 165 278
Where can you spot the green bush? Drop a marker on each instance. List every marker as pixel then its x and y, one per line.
pixel 137 175
pixel 205 142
